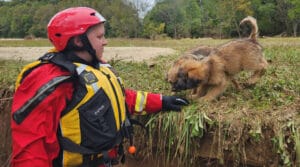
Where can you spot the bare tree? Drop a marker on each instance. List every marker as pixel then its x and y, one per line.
pixel 141 6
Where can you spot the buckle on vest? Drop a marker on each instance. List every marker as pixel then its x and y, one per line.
pixel 102 159
pixel 47 56
pixel 95 156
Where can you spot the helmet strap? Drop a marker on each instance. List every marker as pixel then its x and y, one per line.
pixel 88 47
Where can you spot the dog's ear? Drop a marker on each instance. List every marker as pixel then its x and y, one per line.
pixel 192 70
pixel 200 72
pixel 171 75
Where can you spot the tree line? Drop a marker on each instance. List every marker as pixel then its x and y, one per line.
pixel 168 18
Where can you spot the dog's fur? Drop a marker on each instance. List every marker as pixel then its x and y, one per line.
pixel 210 76
pixel 196 54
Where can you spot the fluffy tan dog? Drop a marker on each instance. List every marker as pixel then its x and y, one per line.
pixel 211 75
pixel 196 54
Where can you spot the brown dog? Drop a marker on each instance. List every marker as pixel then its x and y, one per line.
pixel 210 76
pixel 196 54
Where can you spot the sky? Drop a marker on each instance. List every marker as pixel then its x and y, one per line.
pixel 144 5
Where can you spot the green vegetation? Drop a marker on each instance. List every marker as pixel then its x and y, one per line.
pixel 24 43
pixel 265 116
pixel 258 126
pixel 9 71
pixel 168 18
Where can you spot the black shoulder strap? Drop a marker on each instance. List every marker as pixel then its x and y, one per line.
pixel 60 60
pixel 40 95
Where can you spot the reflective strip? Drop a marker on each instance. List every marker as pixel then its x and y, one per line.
pixel 39 96
pixel 81 68
pixel 140 102
pixel 120 80
pixel 104 65
pixel 95 87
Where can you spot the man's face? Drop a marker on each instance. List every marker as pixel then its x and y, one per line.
pixel 97 40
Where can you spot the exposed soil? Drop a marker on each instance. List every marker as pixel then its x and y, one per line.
pixel 122 53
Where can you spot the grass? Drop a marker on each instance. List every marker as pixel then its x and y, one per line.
pixel 238 118
pixel 9 70
pixel 113 42
pixel 24 43
pixel 232 131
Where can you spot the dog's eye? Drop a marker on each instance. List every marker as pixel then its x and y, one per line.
pixel 182 75
pixel 196 81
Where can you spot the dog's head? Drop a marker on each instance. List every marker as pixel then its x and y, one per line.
pixel 188 75
pixel 177 78
pixel 172 74
pixel 182 75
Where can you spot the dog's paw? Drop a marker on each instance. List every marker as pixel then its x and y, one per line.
pixel 194 96
pixel 207 99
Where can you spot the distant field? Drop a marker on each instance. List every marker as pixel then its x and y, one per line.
pixel 259 126
pixel 172 43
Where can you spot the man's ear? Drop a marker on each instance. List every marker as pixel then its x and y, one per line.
pixel 77 41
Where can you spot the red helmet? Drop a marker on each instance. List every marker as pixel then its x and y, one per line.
pixel 71 22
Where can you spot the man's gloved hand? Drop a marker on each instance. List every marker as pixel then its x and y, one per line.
pixel 173 103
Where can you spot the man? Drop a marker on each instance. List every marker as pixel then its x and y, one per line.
pixel 69 108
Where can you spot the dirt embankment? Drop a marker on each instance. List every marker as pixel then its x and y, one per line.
pixel 120 53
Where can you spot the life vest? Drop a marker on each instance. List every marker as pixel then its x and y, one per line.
pixel 94 121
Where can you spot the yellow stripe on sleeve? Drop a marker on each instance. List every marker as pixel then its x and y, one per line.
pixel 140 101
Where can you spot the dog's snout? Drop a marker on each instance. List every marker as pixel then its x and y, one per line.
pixel 174 87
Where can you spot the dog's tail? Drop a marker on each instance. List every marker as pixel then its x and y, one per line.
pixel 254 27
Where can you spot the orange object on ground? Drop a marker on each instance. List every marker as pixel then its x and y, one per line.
pixel 131 149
